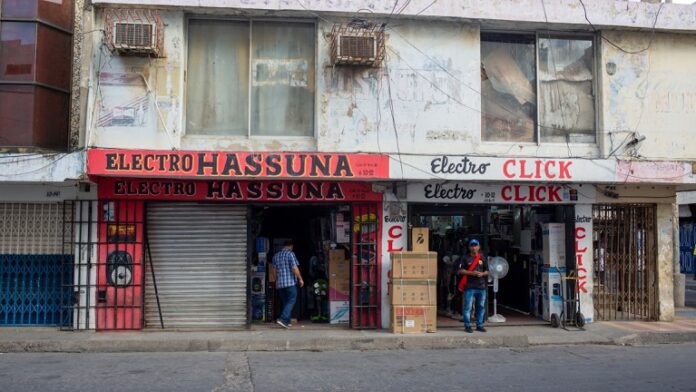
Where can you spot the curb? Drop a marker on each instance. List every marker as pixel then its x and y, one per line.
pixel 643 339
pixel 395 342
pixel 239 345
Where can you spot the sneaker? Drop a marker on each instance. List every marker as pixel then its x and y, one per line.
pixel 468 330
pixel 282 324
pixel 481 329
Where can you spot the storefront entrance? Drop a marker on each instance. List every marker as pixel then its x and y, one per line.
pixel 321 237
pixel 515 233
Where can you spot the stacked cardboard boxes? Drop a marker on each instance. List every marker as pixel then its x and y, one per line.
pixel 339 286
pixel 414 292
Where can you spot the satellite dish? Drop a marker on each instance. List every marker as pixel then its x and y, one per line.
pixel 498 267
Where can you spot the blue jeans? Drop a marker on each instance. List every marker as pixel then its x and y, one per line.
pixel 480 295
pixel 288 296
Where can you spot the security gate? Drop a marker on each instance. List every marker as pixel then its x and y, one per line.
pixel 34 266
pixel 198 265
pixel 365 294
pixel 625 262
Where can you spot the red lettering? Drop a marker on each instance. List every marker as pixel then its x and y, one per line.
pixel 548 173
pixel 582 282
pixel 579 230
pixel 505 168
pixel 578 258
pixel 564 169
pixel 505 193
pixel 391 248
pixel 537 169
pixel 523 173
pixel 539 195
pixel 553 194
pixel 518 197
pixel 393 232
pixel 531 195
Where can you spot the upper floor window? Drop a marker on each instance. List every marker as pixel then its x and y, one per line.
pixel 537 88
pixel 250 78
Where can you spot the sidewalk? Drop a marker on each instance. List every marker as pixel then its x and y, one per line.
pixel 303 339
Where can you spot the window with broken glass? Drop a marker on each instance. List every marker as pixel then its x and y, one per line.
pixel 250 78
pixel 537 88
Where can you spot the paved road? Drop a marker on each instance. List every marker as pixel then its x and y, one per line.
pixel 570 368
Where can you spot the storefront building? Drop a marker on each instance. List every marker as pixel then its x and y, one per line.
pixel 185 238
pixel 614 236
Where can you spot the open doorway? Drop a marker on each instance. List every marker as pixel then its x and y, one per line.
pixel 513 232
pixel 322 238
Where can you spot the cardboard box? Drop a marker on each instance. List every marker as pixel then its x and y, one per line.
pixel 413 319
pixel 339 312
pixel 339 266
pixel 337 254
pixel 414 292
pixel 414 265
pixel 339 289
pixel 420 239
pixel 272 273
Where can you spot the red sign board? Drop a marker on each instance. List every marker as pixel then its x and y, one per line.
pixel 231 190
pixel 219 164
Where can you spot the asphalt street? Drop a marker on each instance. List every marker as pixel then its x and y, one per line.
pixel 567 368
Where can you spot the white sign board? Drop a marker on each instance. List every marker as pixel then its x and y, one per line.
pixel 572 170
pixel 478 193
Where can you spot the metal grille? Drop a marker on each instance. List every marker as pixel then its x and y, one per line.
pixel 687 240
pixel 365 268
pixel 133 35
pixel 32 264
pixel 198 266
pixel 625 262
pixel 359 43
pixel 106 241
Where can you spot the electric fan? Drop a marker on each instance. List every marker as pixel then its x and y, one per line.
pixel 497 268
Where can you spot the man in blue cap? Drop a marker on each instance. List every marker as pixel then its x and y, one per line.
pixel 474 271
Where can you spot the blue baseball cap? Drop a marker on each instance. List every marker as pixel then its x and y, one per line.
pixel 474 242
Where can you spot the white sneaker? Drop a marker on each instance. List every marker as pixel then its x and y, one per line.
pixel 282 324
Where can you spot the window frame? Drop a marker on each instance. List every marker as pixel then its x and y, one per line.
pixel 249 21
pixel 548 34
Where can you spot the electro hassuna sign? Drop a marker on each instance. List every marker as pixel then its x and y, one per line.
pixel 216 164
pixel 229 190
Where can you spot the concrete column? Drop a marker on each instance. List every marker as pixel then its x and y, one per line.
pixel 679 278
pixel 665 261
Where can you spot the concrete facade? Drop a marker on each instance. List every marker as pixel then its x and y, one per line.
pixel 425 101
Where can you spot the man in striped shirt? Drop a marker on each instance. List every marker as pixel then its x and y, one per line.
pixel 288 270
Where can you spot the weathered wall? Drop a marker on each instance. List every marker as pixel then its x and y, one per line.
pixel 430 81
pixel 665 263
pixel 433 96
pixel 652 92
pixel 621 13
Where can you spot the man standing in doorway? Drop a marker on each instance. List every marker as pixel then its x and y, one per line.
pixel 474 270
pixel 288 269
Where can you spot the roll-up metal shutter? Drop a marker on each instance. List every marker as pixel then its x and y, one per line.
pixel 199 261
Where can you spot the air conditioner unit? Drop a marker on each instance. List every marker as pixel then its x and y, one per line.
pixel 134 32
pixel 356 50
pixel 135 38
pixel 357 44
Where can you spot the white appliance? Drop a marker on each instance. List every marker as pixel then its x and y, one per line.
pixel 497 269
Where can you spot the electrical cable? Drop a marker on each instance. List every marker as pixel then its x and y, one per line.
pixel 652 34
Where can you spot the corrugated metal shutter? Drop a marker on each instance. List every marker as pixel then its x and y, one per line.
pixel 199 259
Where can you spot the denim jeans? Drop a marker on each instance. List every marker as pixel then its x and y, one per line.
pixel 288 296
pixel 469 295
